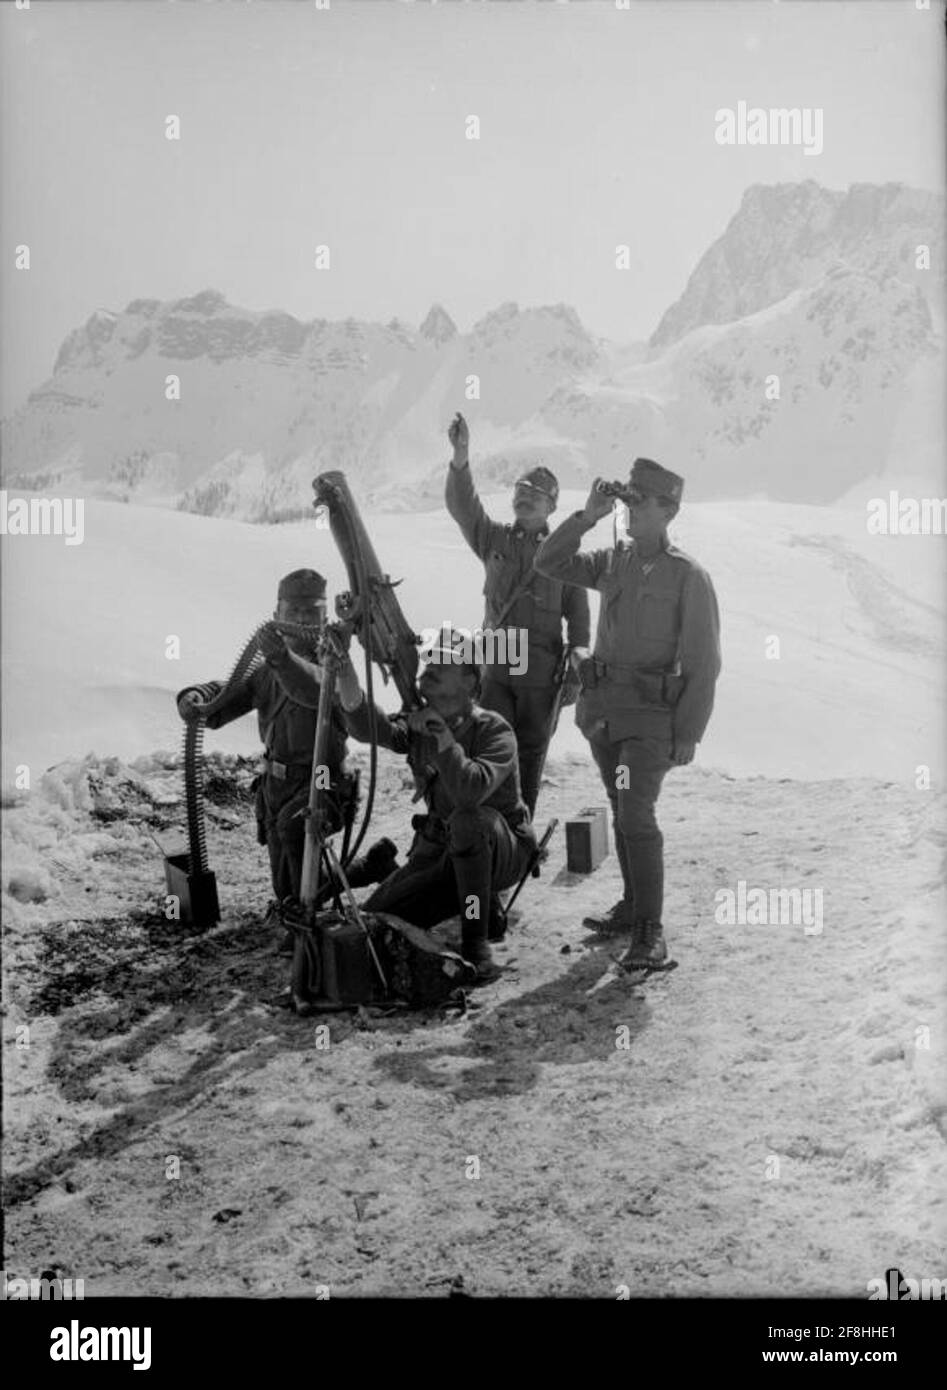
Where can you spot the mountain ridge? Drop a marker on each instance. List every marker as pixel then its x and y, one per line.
pixel 805 333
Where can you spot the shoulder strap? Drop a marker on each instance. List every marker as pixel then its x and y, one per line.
pixel 522 588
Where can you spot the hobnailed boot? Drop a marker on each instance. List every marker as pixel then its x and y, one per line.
pixel 497 926
pixel 276 917
pixel 274 914
pixel 477 952
pixel 470 859
pixel 648 949
pixel 615 922
pixel 375 866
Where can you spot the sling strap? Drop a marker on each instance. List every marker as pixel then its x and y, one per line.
pixel 521 589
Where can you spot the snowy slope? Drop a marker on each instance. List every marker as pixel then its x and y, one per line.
pixel 857 689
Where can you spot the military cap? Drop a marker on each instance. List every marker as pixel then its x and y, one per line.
pixel 302 584
pixel 651 480
pixel 451 648
pixel 542 479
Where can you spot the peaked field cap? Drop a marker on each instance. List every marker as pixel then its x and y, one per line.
pixel 302 584
pixel 654 481
pixel 542 479
pixel 450 648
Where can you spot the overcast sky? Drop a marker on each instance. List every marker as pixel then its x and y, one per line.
pixel 346 127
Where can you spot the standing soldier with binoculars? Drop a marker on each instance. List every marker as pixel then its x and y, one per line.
pixel 648 687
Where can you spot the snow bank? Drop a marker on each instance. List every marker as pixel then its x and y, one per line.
pixel 91 664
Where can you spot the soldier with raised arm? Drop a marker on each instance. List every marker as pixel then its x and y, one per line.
pixel 648 687
pixel 519 599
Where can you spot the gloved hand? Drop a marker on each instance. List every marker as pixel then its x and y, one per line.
pixel 189 705
pixel 428 722
pixel 335 659
pixel 272 644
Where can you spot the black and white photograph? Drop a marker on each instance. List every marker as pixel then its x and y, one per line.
pixel 472 518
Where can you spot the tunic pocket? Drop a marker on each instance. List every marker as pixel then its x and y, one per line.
pixel 656 617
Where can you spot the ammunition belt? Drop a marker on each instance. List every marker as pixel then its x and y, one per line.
pixel 249 660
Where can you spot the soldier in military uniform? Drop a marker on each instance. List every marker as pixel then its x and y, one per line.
pixel 518 598
pixel 285 694
pixel 648 688
pixel 476 838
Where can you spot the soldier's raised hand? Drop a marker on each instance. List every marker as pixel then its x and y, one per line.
pixel 272 643
pixel 598 504
pixel 334 654
pixel 428 722
pixel 336 661
pixel 459 436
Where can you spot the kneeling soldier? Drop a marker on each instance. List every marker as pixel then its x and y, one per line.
pixel 648 688
pixel 285 694
pixel 476 838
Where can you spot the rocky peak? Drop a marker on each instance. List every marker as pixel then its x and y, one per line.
pixel 497 318
pixel 784 236
pixel 207 302
pixel 438 327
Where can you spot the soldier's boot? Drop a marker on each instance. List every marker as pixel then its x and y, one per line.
pixel 276 918
pixel 498 921
pixel 620 916
pixel 273 916
pixel 648 949
pixel 375 866
pixel 471 861
pixel 615 922
pixel 476 950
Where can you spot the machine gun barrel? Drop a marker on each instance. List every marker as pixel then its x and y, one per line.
pixel 371 605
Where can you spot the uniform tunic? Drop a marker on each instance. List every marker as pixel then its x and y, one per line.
pixel 287 723
pixel 476 837
pixel 658 636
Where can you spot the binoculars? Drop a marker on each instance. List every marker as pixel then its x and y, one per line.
pixel 623 491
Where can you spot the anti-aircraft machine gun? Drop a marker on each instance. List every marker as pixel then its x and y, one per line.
pixel 370 610
pixel 343 956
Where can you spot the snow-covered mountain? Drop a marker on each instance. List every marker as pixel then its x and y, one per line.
pixel 792 367
pixel 795 402
pixel 786 236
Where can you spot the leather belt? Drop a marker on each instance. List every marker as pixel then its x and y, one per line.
pixel 663 687
pixel 282 770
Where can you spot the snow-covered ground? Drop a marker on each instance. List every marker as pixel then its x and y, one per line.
pixel 773 1123
pixel 651 1166
pixel 857 688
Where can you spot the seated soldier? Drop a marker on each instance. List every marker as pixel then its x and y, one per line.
pixel 476 838
pixel 285 693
